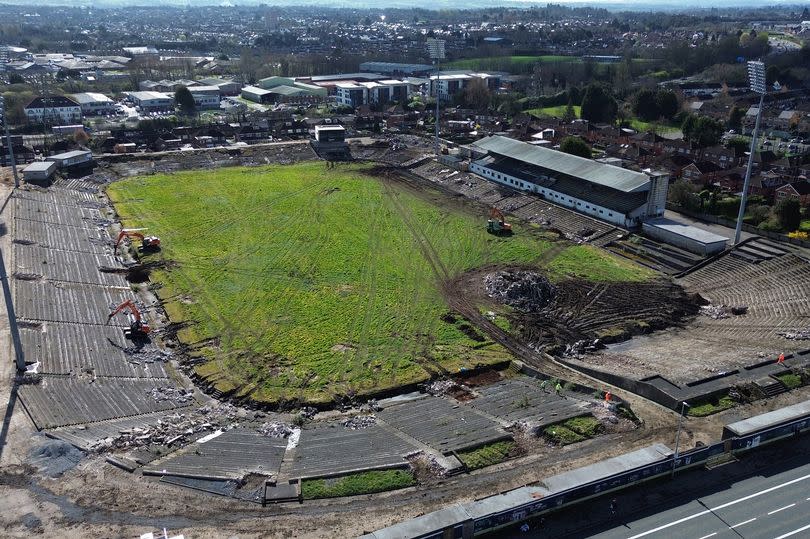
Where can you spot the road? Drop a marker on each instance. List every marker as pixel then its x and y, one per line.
pixel 764 495
pixel 773 507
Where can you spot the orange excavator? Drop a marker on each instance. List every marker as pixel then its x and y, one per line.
pixel 496 223
pixel 147 242
pixel 138 329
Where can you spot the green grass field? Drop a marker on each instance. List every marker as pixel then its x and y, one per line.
pixel 359 483
pixel 500 62
pixel 553 112
pixel 302 283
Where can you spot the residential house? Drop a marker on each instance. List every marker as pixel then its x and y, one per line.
pixel 721 156
pixel 787 120
pixel 797 190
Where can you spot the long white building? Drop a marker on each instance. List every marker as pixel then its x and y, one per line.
pixel 620 196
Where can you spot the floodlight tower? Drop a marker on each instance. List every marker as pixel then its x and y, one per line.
pixel 756 80
pixel 436 51
pixel 4 124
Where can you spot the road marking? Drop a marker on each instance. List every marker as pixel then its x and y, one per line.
pixel 782 508
pixel 742 523
pixel 723 506
pixel 794 532
pixel 710 535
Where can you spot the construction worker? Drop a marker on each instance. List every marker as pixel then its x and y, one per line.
pixel 607 396
pixel 558 389
pixel 781 358
pixel 613 506
pixel 543 385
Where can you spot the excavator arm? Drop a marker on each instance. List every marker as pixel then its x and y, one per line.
pixel 137 327
pixel 127 234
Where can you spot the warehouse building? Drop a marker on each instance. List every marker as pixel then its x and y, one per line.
pixel 152 101
pixel 39 172
pixel 693 239
pixel 72 159
pixel 257 95
pixel 205 97
pixel 620 196
pixel 93 103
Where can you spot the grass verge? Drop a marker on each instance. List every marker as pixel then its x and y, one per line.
pixel 486 455
pixel 355 484
pixel 576 429
pixel 791 381
pixel 712 407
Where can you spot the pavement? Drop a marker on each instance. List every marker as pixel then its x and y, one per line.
pixel 766 494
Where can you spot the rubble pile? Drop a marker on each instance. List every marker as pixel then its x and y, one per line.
pixel 526 291
pixel 428 461
pixel 359 422
pixel 798 335
pixel 583 346
pixel 172 394
pixel 275 430
pixel 438 388
pixel 718 312
pixel 173 428
pixel 371 406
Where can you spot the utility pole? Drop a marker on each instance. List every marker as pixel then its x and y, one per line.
pixel 756 80
pixel 4 123
pixel 436 51
pixel 684 405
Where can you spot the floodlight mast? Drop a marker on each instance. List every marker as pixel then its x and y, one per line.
pixel 436 51
pixel 756 79
pixel 4 124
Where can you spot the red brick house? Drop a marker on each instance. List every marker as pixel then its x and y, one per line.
pixel 797 190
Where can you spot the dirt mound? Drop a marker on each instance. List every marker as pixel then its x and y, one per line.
pixel 55 457
pixel 526 291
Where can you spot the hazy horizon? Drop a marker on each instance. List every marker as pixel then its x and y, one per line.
pixel 640 5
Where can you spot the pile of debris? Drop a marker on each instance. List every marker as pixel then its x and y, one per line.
pixel 437 388
pixel 798 335
pixel 523 290
pixel 359 422
pixel 55 457
pixel 583 346
pixel 718 312
pixel 276 430
pixel 427 461
pixel 172 394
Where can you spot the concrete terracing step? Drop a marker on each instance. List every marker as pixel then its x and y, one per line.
pixel 774 248
pixel 771 386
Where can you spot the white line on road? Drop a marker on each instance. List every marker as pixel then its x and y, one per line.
pixel 723 506
pixel 782 508
pixel 794 532
pixel 742 523
pixel 710 535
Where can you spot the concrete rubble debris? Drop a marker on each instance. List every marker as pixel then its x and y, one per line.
pixel 439 387
pixel 719 312
pixel 371 406
pixel 276 430
pixel 359 422
pixel 173 394
pixel 797 335
pixel 525 291
pixel 428 461
pixel 583 346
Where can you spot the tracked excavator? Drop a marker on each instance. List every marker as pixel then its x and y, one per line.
pixel 148 243
pixel 496 223
pixel 138 329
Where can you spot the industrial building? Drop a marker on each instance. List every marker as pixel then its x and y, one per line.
pixel 152 101
pixel 330 133
pixel 393 69
pixel 205 97
pixel 693 239
pixel 619 196
pixel 449 83
pixel 94 103
pixel 73 159
pixel 39 172
pixel 53 110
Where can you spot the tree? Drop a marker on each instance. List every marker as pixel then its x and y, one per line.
pixel 81 137
pixel 682 193
pixel 667 103
pixel 570 114
pixel 645 105
pixel 739 145
pixel 184 100
pixel 735 117
pixel 598 104
pixel 575 146
pixel 702 131
pixel 16 78
pixel 476 94
pixel 789 213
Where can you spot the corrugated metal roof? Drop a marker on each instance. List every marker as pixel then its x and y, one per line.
pixel 572 165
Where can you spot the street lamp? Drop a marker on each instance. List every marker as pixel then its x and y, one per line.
pixel 4 124
pixel 436 51
pixel 684 405
pixel 756 79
